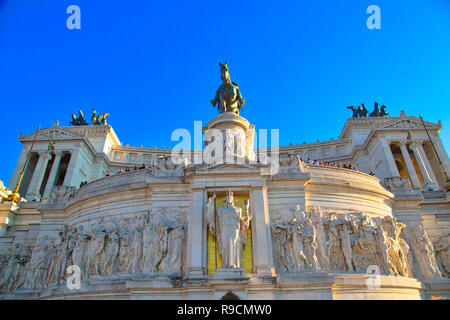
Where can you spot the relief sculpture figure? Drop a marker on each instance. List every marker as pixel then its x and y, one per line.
pixel 423 251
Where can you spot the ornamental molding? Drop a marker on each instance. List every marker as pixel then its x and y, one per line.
pixel 407 124
pixel 51 134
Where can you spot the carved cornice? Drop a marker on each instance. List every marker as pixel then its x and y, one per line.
pixel 389 123
pixel 229 117
pixel 52 133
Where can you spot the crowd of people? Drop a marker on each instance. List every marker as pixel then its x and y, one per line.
pixel 332 164
pixel 135 168
pixel 83 183
pixel 336 165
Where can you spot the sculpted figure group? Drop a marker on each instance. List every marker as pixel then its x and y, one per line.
pixel 443 255
pixel 146 244
pixel 362 112
pixel 309 239
pixel 290 163
pixel 96 119
pixel 12 267
pixel 165 166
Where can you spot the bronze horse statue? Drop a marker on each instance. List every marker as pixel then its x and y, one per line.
pixel 99 119
pixel 383 111
pixel 376 111
pixel 355 111
pixel 362 111
pixel 78 121
pixel 228 97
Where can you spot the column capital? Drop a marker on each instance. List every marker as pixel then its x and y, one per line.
pixel 45 155
pixel 417 143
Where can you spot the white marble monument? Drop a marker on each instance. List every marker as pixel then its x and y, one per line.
pixel 316 229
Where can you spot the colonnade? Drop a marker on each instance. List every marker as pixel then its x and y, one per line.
pixel 33 192
pixel 426 171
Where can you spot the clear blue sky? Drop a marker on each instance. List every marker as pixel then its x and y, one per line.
pixel 154 65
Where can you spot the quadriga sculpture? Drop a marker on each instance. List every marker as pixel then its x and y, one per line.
pixel 98 119
pixel 78 121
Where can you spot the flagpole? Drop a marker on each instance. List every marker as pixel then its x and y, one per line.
pixel 14 197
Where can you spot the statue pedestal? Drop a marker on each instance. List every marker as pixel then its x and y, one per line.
pixel 229 279
pixel 230 274
pixel 229 136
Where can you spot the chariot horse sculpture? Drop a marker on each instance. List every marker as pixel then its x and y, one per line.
pixel 228 97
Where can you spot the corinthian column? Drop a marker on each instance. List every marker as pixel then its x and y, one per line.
pixel 409 166
pixel 52 176
pixel 427 182
pixel 19 167
pixel 71 169
pixel 392 166
pixel 442 153
pixel 38 175
pixel 427 164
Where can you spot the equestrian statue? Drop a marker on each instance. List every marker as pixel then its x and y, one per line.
pixel 99 119
pixel 228 98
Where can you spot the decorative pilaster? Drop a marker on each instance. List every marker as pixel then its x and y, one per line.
pixel 52 176
pixel 196 235
pixel 427 183
pixel 38 175
pixel 409 166
pixel 392 167
pixel 262 241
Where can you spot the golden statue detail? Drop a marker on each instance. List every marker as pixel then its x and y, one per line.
pixel 228 98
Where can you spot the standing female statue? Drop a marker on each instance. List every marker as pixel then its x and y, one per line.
pixel 231 223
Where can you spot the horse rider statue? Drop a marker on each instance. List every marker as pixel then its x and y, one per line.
pixel 228 96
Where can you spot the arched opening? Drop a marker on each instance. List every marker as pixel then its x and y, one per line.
pixel 230 296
